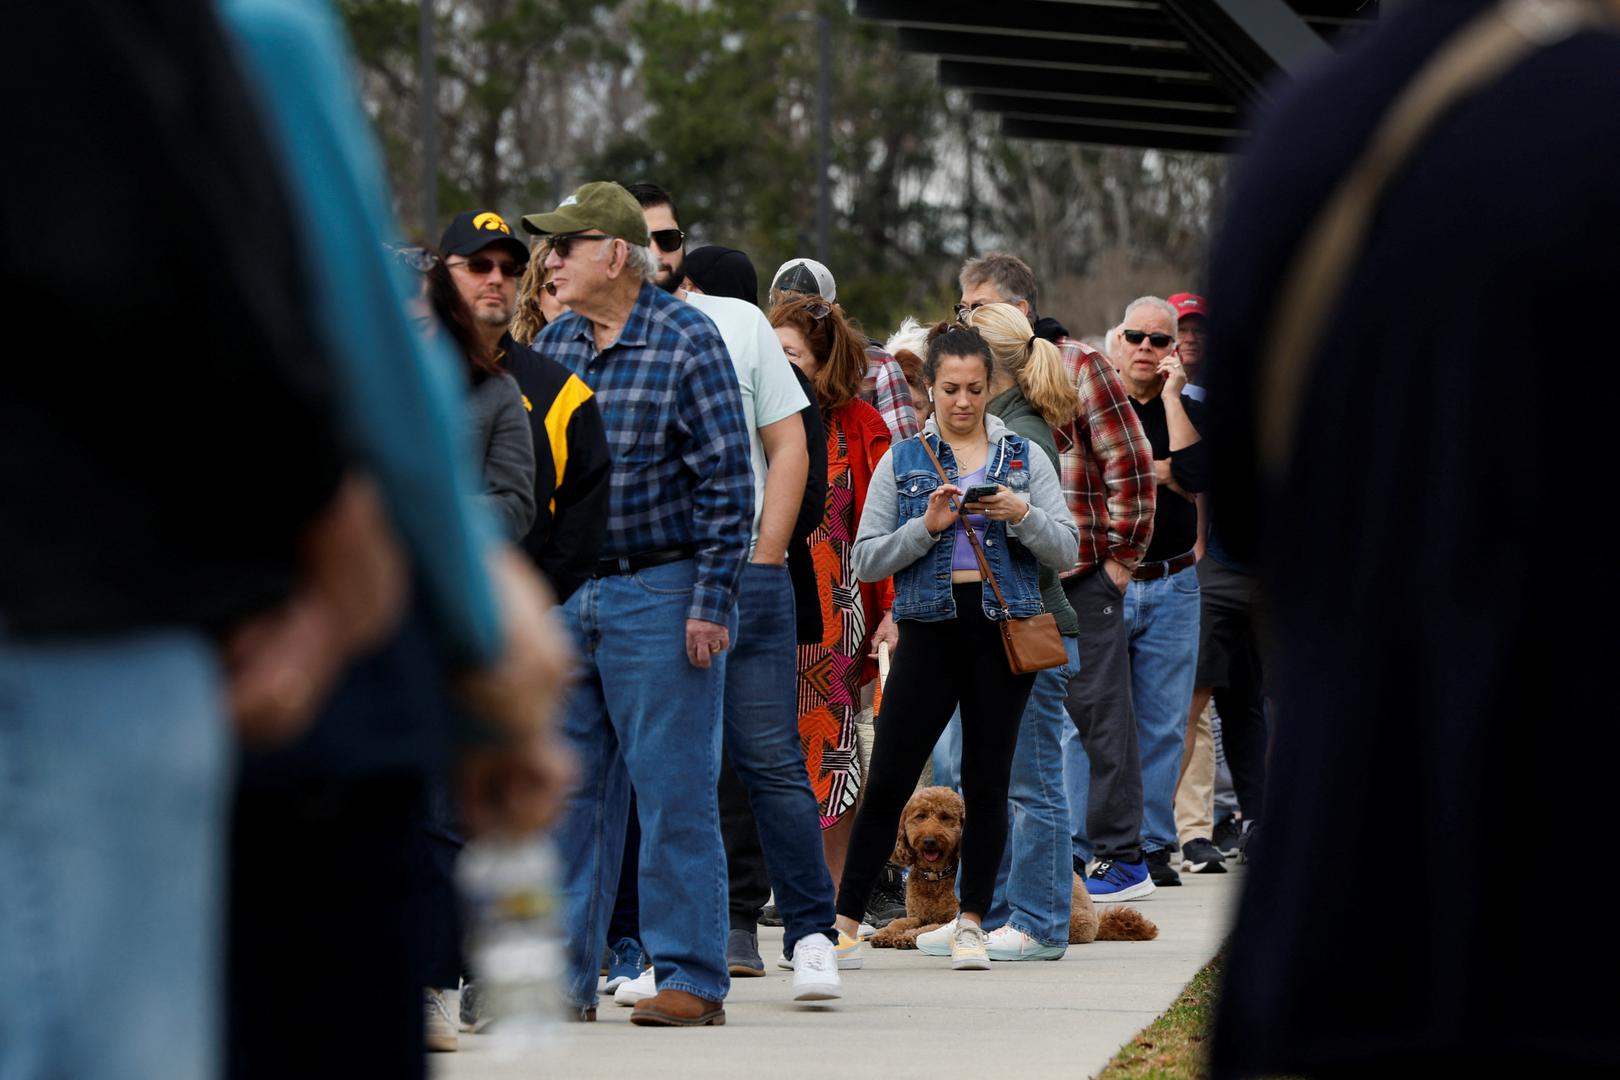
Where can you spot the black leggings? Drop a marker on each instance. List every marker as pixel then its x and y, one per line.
pixel 937 666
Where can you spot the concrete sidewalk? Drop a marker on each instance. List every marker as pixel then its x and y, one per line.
pixel 907 1015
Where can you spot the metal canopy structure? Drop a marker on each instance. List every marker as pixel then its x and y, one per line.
pixel 1174 74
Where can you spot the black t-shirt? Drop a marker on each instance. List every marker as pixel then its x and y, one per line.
pixel 1175 519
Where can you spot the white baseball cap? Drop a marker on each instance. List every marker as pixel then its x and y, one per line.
pixel 805 276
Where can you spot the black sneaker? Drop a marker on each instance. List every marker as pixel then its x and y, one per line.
pixel 769 916
pixel 1160 870
pixel 1227 834
pixel 888 901
pixel 1201 857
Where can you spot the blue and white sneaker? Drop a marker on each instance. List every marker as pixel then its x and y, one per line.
pixel 1113 882
pixel 629 961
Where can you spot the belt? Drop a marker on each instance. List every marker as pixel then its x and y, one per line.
pixel 642 560
pixel 1153 571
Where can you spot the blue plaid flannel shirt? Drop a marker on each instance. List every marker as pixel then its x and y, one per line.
pixel 673 412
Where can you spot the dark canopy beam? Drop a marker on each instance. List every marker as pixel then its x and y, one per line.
pixel 1018 128
pixel 1177 74
pixel 1083 85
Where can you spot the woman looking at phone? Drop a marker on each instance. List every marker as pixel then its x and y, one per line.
pixel 913 528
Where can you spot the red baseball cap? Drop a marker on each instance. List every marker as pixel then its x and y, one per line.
pixel 1187 303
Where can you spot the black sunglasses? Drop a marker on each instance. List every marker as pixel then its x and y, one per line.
pixel 668 239
pixel 564 245
pixel 481 266
pixel 1158 341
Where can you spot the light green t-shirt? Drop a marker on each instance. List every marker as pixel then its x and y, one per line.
pixel 769 390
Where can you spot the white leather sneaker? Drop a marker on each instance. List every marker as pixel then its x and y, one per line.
pixel 815 970
pixel 1010 943
pixel 937 942
pixel 637 989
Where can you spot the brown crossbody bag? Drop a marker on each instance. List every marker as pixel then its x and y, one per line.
pixel 1032 644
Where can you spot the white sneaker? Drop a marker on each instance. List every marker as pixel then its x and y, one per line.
pixel 815 970
pixel 937 942
pixel 442 1030
pixel 1010 943
pixel 968 951
pixel 849 954
pixel 865 931
pixel 637 989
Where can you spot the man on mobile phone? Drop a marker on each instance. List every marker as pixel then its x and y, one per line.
pixel 1162 599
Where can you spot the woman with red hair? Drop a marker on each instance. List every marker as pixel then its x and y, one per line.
pixel 854 615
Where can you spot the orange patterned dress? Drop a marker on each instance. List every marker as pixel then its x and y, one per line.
pixel 832 672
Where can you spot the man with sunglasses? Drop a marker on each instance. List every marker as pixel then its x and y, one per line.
pixel 572 466
pixel 1162 600
pixel 764 762
pixel 654 623
pixel 1106 466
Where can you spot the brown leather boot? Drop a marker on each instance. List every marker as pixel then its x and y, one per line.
pixel 677 1008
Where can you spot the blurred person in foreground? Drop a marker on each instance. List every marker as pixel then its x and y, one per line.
pixel 1434 672
pixel 251 558
pixel 655 621
pixel 476 660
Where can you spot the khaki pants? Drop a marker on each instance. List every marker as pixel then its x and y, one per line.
pixel 1195 792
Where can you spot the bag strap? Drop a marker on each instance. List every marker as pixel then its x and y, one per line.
pixel 1483 49
pixel 973 538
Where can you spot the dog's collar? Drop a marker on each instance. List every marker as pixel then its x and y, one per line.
pixel 936 875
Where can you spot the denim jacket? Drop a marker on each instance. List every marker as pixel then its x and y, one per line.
pixel 892 538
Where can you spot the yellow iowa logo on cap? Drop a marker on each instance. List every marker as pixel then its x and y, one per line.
pixel 491 221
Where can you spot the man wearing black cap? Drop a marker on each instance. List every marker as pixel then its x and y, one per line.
pixel 570 450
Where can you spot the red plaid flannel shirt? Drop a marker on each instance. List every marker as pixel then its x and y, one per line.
pixel 886 390
pixel 1105 464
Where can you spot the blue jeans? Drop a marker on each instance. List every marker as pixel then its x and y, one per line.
pixel 1161 622
pixel 762 741
pixel 1035 884
pixel 642 713
pixel 115 783
pixel 947 756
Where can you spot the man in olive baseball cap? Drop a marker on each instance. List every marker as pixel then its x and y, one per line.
pixel 600 207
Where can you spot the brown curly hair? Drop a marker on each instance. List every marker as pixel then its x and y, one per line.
pixel 835 344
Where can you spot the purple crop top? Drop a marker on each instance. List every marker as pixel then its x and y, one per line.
pixel 962 557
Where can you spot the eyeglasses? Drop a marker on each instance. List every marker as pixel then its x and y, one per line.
pixel 817 310
pixel 965 310
pixel 564 245
pixel 417 258
pixel 668 239
pixel 1135 337
pixel 480 266
pixel 550 287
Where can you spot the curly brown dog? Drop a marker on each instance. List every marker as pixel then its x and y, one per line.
pixel 928 839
